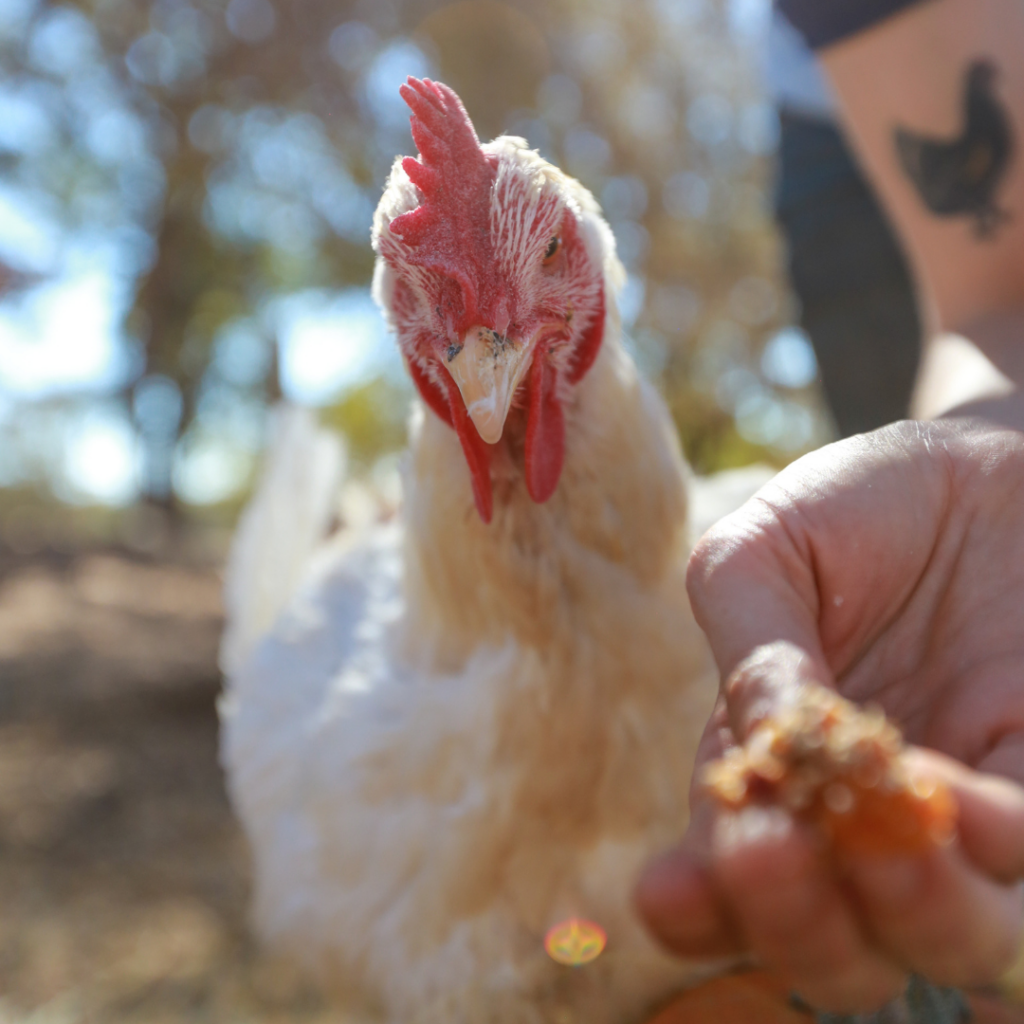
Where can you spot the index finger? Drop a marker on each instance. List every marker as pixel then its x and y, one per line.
pixel 771 678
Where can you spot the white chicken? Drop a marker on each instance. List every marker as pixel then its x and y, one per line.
pixel 481 720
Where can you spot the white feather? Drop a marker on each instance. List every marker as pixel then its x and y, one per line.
pixel 284 524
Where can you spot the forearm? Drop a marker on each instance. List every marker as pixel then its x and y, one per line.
pixel 978 372
pixel 913 75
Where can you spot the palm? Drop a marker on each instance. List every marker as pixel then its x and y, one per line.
pixel 948 662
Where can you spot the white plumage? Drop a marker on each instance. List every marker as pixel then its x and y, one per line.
pixel 457 733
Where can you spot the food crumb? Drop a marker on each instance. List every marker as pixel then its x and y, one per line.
pixel 841 768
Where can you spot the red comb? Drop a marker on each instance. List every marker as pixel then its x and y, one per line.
pixel 453 174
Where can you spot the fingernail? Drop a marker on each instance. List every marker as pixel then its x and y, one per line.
pixel 735 829
pixel 893 880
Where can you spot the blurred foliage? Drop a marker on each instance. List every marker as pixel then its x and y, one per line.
pixel 226 154
pixel 372 418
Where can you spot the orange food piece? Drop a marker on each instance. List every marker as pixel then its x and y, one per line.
pixel 751 997
pixel 842 769
pixel 757 997
pixel 907 821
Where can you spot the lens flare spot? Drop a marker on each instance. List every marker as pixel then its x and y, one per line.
pixel 575 942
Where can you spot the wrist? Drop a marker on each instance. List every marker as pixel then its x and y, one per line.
pixel 978 372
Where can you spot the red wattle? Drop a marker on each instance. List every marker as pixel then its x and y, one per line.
pixel 435 398
pixel 545 424
pixel 452 410
pixel 475 449
pixel 545 431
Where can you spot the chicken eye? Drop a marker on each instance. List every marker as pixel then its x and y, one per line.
pixel 553 249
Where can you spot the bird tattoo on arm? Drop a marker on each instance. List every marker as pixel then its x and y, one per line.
pixel 959 177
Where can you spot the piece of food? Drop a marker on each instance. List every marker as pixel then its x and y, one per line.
pixel 746 997
pixel 841 768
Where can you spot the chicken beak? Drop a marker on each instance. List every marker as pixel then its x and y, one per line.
pixel 488 368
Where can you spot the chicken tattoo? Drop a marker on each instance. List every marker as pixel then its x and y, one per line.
pixel 959 177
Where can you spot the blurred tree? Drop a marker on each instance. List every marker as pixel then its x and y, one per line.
pixel 230 152
pixel 372 418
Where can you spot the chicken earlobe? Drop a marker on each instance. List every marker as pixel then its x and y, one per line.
pixel 590 344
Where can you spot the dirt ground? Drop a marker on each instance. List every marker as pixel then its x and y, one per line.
pixel 123 876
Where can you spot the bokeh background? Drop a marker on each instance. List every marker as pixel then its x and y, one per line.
pixel 186 189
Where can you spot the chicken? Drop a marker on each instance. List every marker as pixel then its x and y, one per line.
pixel 960 177
pixel 479 721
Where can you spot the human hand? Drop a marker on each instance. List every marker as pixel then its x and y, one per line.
pixel 891 567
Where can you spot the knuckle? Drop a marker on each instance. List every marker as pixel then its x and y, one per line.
pixel 709 556
pixel 722 556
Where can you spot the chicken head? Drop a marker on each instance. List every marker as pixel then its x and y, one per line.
pixel 491 271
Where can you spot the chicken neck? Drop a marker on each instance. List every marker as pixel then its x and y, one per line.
pixel 542 575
